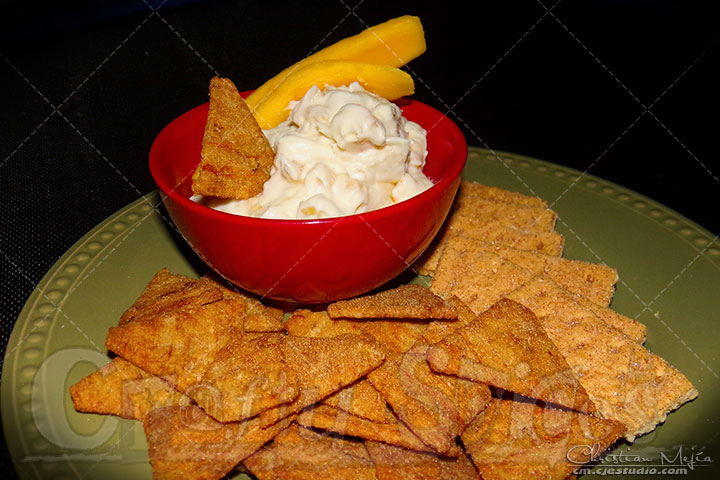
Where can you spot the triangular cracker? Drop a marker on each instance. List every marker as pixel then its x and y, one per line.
pixel 395 335
pixel 361 399
pixel 122 389
pixel 436 331
pixel 257 317
pixel 248 375
pixel 178 333
pixel 168 293
pixel 435 407
pixel 391 431
pixel 236 157
pixel 507 347
pixel 323 366
pixel 405 301
pixel 165 291
pixel 178 344
pixel 299 453
pixel 517 440
pixel 397 463
pixel 184 442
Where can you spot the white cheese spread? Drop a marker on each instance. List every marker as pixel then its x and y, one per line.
pixel 341 151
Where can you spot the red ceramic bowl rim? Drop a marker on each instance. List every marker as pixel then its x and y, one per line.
pixel 459 156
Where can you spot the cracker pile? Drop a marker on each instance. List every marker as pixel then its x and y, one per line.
pixel 507 367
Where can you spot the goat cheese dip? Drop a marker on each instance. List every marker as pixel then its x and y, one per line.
pixel 342 151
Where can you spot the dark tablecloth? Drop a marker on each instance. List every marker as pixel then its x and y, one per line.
pixel 627 91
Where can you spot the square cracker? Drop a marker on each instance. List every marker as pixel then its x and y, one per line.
pixel 479 278
pixel 592 281
pixel 236 157
pixel 517 440
pixel 548 243
pixel 524 217
pixel 506 346
pixel 497 233
pixel 184 442
pixel 625 381
pixel 474 189
pixel 299 453
pixel 405 301
pixel 545 297
pixel 506 233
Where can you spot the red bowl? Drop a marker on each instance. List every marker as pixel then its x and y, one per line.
pixel 309 261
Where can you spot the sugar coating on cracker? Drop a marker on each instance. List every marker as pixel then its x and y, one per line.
pixel 184 442
pixel 506 346
pixel 517 440
pixel 122 389
pixel 236 157
pixel 397 463
pixel 405 301
pixel 300 453
pixel 468 188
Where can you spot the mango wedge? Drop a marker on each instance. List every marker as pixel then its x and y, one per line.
pixel 387 82
pixel 393 43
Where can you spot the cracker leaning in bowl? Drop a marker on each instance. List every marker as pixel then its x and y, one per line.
pixel 236 157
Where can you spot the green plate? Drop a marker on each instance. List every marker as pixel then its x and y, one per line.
pixel 669 269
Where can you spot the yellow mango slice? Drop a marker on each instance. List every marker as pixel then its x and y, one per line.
pixel 387 82
pixel 393 43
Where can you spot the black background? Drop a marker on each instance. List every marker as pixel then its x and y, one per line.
pixel 626 91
